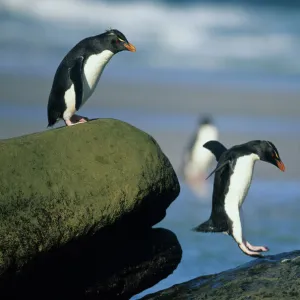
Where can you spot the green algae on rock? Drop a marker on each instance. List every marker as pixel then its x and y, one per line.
pixel 65 183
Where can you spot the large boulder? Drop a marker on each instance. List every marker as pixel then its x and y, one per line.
pixel 64 185
pixel 273 277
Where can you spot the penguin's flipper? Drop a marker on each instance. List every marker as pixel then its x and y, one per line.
pixel 76 73
pixel 221 166
pixel 216 148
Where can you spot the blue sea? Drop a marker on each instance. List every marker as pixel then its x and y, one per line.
pixel 251 44
pixel 229 38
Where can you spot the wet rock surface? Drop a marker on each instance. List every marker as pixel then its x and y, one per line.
pixel 273 277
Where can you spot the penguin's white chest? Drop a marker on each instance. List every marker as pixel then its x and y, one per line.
pixel 240 181
pixel 201 158
pixel 92 71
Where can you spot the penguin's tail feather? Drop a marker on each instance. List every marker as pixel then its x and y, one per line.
pixel 216 148
pixel 208 226
pixel 55 109
pixel 52 118
pixel 51 123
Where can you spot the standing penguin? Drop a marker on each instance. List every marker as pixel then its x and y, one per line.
pixel 233 176
pixel 79 72
pixel 197 159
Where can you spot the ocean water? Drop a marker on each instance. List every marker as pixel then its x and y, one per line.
pixel 206 37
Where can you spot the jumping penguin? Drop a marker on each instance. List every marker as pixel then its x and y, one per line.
pixel 79 72
pixel 197 159
pixel 233 176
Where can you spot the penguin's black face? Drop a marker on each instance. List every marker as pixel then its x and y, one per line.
pixel 205 120
pixel 269 153
pixel 117 41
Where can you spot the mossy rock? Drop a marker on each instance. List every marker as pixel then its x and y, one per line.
pixel 66 183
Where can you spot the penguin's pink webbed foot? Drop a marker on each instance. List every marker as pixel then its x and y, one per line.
pixel 257 248
pixel 247 251
pixel 82 120
pixel 70 123
pixel 78 119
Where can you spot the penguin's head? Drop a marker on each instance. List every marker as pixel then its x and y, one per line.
pixel 206 120
pixel 116 41
pixel 267 152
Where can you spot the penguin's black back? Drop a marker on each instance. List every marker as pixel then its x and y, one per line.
pixel 220 190
pixel 218 220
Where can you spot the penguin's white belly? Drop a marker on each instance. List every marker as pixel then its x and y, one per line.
pixel 92 71
pixel 201 157
pixel 195 167
pixel 239 185
pixel 70 98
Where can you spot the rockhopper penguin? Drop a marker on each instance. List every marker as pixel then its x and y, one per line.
pixel 233 176
pixel 79 72
pixel 198 159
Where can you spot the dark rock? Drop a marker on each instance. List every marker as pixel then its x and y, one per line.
pixel 61 187
pixel 273 277
pixel 108 265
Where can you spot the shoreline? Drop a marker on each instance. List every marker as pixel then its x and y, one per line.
pixel 169 113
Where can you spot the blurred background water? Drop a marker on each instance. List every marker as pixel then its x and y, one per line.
pixel 235 60
pixel 220 36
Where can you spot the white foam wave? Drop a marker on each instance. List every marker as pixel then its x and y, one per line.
pixel 201 36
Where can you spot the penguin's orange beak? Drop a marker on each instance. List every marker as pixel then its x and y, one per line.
pixel 129 47
pixel 280 165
